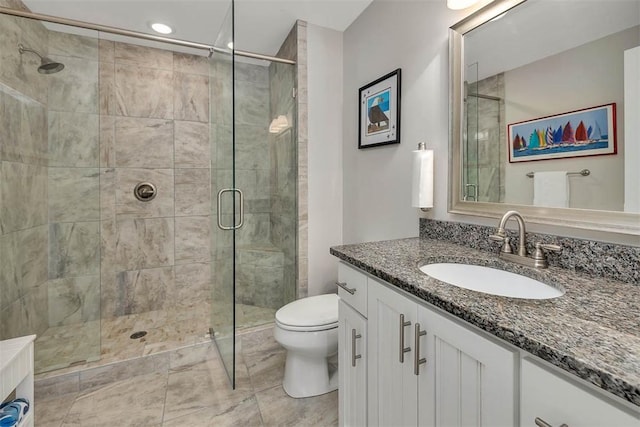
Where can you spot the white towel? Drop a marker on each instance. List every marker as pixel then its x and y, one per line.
pixel 551 189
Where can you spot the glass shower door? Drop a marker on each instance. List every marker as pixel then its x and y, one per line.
pixel 225 213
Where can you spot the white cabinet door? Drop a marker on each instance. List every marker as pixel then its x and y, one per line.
pixel 352 350
pixel 467 379
pixel 556 401
pixel 393 392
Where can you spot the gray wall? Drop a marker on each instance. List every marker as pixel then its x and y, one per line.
pixel 421 31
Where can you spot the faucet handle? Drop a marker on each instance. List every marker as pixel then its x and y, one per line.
pixel 539 257
pixel 506 243
pixel 548 246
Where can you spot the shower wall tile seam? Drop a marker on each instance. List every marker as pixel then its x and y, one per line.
pixel 72 222
pixel 173 154
pixel 25 229
pixel 72 167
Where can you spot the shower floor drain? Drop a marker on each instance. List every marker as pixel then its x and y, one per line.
pixel 139 334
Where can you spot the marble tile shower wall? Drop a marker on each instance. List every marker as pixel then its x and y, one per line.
pixel 154 126
pixel 24 231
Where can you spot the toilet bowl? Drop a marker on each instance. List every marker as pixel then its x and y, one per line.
pixel 308 329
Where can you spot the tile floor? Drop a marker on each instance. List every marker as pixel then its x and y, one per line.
pixel 197 394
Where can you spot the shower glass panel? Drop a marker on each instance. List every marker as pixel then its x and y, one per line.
pixel 254 178
pixel 266 172
pixel 485 143
pixel 49 192
pixel 226 215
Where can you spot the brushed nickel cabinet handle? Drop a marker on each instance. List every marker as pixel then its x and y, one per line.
pixel 542 423
pixel 354 356
pixel 344 286
pixel 417 361
pixel 403 349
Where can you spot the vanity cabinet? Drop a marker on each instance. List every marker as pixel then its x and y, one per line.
pixel 419 365
pixel 352 347
pixel 352 360
pixel 554 399
pixel 393 388
pixel 427 369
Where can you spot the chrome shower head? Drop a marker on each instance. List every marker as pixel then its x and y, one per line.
pixel 47 65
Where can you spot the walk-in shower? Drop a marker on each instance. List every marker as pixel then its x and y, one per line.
pixel 92 263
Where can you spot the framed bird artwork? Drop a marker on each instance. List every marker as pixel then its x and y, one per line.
pixel 379 105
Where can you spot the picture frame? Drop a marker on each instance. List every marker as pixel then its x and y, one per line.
pixel 586 132
pixel 379 111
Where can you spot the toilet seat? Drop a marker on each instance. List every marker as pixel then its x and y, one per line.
pixel 310 314
pixel 307 328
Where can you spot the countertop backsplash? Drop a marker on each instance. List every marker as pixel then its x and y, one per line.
pixel 607 260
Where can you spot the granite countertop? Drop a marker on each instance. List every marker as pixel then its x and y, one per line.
pixel 593 331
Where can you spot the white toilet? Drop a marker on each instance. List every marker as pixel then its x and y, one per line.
pixel 308 329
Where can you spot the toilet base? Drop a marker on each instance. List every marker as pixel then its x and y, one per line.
pixel 306 376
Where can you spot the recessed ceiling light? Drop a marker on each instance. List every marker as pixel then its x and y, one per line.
pixel 230 45
pixel 161 28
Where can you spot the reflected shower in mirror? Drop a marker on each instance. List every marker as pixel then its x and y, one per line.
pixel 540 60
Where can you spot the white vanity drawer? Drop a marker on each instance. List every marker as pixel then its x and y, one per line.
pixel 352 287
pixel 557 400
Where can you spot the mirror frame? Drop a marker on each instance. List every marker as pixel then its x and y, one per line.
pixel 609 221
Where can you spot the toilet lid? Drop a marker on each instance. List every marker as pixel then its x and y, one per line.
pixel 312 311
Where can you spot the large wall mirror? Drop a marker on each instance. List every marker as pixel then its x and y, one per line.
pixel 545 116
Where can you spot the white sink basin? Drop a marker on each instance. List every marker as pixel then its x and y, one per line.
pixel 490 281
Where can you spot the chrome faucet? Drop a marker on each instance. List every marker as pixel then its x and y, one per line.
pixel 506 252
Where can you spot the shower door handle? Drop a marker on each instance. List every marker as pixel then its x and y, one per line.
pixel 241 222
pixel 466 195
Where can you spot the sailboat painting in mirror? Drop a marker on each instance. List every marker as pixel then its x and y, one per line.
pixel 586 132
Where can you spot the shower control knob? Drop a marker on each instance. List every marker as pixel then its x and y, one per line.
pixel 145 191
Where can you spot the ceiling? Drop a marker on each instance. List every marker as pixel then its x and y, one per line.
pixel 519 38
pixel 260 25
